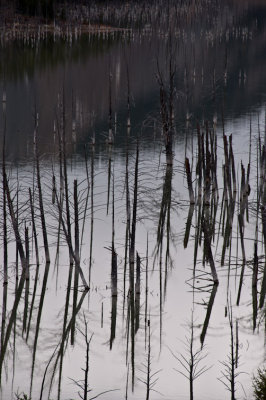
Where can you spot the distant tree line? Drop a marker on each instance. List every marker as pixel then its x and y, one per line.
pixel 45 8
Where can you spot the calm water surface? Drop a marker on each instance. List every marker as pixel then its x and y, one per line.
pixel 65 85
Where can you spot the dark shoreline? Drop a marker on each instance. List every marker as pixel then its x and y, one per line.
pixel 16 25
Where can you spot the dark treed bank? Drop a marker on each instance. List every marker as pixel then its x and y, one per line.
pixel 45 8
pixel 50 9
pixel 41 8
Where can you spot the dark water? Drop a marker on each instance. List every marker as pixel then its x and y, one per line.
pixel 218 55
pixel 61 89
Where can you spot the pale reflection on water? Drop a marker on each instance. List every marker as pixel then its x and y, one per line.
pixel 213 83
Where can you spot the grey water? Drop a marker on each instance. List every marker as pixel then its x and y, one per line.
pixel 58 92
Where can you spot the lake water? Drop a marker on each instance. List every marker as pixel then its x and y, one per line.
pixel 135 238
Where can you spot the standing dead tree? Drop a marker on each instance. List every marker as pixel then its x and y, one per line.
pixel 230 373
pixel 190 362
pixel 42 214
pixel 151 377
pixel 24 264
pixel 166 110
pixel 84 384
